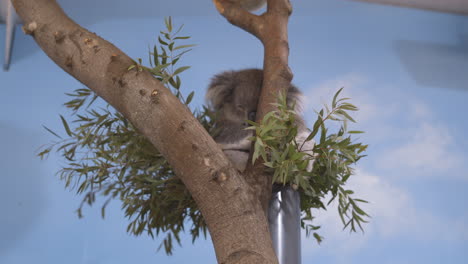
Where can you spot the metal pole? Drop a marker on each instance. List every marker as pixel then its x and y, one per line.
pixel 11 21
pixel 284 217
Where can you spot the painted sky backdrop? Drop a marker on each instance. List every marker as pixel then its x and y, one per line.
pixel 406 69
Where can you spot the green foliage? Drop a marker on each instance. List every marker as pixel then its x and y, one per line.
pixel 106 155
pixel 333 157
pixel 164 59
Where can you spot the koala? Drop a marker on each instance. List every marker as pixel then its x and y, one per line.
pixel 233 96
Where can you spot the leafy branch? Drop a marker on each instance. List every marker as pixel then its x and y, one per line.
pixel 163 60
pixel 332 158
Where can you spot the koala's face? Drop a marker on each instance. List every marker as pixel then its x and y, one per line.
pixel 234 96
pixel 242 104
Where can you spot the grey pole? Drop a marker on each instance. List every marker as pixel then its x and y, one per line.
pixel 284 217
pixel 8 14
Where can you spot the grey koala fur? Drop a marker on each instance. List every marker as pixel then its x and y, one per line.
pixel 234 95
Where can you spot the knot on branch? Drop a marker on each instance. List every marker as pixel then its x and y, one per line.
pixel 220 175
pixel 29 28
pixel 155 96
pixel 59 37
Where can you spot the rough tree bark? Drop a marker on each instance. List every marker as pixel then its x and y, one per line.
pixel 233 205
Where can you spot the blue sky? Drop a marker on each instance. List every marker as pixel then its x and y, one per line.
pixel 406 69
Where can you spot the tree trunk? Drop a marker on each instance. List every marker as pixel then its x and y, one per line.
pixel 229 204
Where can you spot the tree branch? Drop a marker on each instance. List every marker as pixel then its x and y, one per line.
pixel 223 196
pixel 271 29
pixel 240 17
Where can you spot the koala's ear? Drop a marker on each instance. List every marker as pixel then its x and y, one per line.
pixel 220 89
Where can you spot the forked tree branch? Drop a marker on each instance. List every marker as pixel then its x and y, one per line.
pixel 237 225
pixel 271 29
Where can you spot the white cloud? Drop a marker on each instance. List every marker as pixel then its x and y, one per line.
pixel 400 129
pixel 428 147
pixel 395 212
pixel 357 88
pixel 387 207
pixel 394 215
pixel 419 111
pixel 371 114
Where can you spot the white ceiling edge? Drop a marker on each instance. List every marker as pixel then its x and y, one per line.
pixel 447 6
